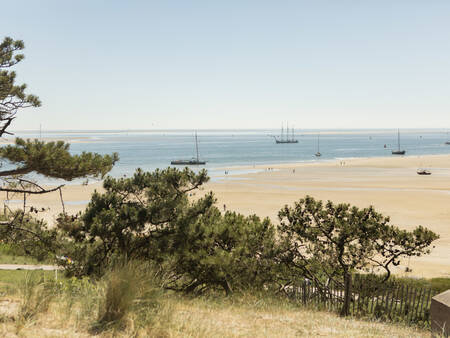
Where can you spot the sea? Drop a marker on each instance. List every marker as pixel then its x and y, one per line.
pixel 233 149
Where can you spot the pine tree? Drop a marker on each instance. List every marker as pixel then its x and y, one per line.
pixel 51 159
pixel 329 241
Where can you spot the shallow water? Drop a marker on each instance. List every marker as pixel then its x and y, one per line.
pixel 228 148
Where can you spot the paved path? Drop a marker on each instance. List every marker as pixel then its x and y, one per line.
pixel 29 267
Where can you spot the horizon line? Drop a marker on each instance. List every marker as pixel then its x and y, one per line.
pixel 221 129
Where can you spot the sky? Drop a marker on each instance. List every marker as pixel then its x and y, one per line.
pixel 110 64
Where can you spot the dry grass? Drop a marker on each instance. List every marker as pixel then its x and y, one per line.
pixel 200 318
pixel 74 307
pixel 245 316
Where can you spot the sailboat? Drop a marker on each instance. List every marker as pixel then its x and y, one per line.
pixel 287 139
pixel 398 151
pixel 192 161
pixel 448 140
pixel 318 154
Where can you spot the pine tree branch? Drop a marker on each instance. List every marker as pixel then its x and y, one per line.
pixel 33 192
pixel 17 171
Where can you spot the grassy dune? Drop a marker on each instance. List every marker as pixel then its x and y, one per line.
pixel 31 310
pixel 201 318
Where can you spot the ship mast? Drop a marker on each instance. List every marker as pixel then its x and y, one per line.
pixel 287 132
pixel 196 145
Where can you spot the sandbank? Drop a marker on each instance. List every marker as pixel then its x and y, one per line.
pixel 390 184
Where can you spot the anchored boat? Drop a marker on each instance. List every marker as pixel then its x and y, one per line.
pixel 192 161
pixel 398 151
pixel 318 154
pixel 287 139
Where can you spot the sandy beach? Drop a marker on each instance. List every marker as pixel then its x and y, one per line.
pixel 390 184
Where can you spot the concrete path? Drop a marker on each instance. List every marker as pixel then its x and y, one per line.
pixel 29 267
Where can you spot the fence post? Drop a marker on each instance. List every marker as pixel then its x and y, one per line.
pixel 304 292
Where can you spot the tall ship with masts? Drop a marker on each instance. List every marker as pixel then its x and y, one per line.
pixel 288 138
pixel 192 161
pixel 398 151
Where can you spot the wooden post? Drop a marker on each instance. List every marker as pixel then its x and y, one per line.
pixel 411 312
pixel 373 303
pixel 404 298
pixel 419 300
pixel 386 300
pixel 408 303
pixel 426 300
pixel 304 292
pixel 358 307
pixel 354 302
pixel 394 300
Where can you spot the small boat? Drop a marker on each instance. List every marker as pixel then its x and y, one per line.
pixel 398 151
pixel 192 161
pixel 448 141
pixel 421 171
pixel 318 154
pixel 287 139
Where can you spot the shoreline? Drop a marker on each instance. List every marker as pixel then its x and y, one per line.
pixel 336 162
pixel 390 184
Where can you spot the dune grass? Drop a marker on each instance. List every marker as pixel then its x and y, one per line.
pixel 126 303
pixel 205 317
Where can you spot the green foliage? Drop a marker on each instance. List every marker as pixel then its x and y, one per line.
pixel 53 159
pixel 133 218
pixel 345 239
pixel 16 254
pixel 150 217
pixel 230 251
pixel 377 282
pixel 12 96
pixel 25 235
pixel 335 240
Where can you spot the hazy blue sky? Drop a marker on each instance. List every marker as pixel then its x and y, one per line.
pixel 233 64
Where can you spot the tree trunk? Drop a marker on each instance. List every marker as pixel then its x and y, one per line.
pixel 227 287
pixel 347 294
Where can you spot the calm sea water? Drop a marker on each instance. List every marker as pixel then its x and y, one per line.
pixel 229 148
